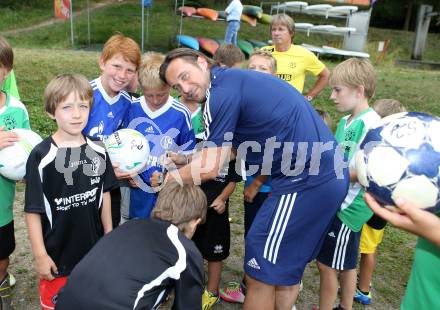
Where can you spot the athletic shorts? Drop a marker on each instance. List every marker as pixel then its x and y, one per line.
pixel 213 238
pixel 370 239
pixel 251 210
pixel 288 231
pixel 115 195
pixel 49 292
pixel 341 247
pixel 7 240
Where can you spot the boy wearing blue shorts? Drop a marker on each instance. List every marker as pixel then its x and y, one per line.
pixel 353 84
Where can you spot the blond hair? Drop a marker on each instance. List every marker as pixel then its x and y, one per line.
pixel 60 87
pixel 120 44
pixel 6 54
pixel 148 74
pixel 283 20
pixel 267 55
pixel 386 107
pixel 325 117
pixel 353 73
pixel 228 55
pixel 179 204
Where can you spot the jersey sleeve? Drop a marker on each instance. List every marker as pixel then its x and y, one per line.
pixel 110 180
pixel 187 138
pixel 189 288
pixel 314 65
pixel 34 196
pixel 222 112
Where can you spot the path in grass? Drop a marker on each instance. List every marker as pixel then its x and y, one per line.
pixel 53 21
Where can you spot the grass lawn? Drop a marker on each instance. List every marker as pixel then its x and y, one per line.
pixel 46 52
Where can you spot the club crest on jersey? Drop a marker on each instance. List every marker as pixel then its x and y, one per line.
pixel 10 122
pixel 98 130
pixel 166 142
pixel 96 163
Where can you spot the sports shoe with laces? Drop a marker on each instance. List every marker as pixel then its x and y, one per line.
pixel 362 298
pixel 209 299
pixel 233 292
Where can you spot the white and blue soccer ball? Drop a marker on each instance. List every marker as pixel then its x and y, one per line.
pixel 400 157
pixel 128 148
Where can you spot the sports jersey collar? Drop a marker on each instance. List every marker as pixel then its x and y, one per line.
pixel 347 124
pixel 159 112
pixel 107 98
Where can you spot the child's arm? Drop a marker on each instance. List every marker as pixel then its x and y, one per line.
pixel 219 204
pixel 106 213
pixel 44 265
pixel 353 175
pixel 252 190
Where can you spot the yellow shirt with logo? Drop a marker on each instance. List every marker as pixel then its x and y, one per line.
pixel 293 64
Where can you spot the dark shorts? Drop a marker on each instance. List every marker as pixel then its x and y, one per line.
pixel 213 238
pixel 341 247
pixel 251 210
pixel 7 240
pixel 288 232
pixel 115 195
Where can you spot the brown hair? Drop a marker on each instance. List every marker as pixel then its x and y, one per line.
pixel 6 54
pixel 60 87
pixel 180 204
pixel 353 73
pixel 149 70
pixel 120 44
pixel 386 107
pixel 284 20
pixel 189 55
pixel 228 55
pixel 267 55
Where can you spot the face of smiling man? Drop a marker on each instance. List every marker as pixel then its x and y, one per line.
pixel 190 79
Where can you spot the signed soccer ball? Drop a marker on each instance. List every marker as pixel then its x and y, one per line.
pixel 13 158
pixel 128 148
pixel 400 157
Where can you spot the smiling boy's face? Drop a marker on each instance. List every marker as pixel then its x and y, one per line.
pixel 116 74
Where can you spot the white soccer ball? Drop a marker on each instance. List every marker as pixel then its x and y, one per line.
pixel 128 148
pixel 400 157
pixel 13 158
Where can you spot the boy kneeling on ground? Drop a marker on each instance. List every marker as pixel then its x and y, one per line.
pixel 137 265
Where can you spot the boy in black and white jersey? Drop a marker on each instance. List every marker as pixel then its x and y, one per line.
pixel 68 179
pixel 137 265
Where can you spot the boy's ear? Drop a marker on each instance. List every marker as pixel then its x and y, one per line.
pixel 361 91
pixel 101 63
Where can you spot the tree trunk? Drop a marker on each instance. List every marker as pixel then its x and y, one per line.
pixel 409 7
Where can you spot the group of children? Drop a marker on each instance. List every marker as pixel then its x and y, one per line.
pixel 73 192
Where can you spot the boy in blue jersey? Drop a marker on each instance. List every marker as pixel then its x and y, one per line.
pixel 353 83
pixel 288 141
pixel 119 61
pixel 165 122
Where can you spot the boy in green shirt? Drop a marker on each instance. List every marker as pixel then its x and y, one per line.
pixel 353 84
pixel 13 114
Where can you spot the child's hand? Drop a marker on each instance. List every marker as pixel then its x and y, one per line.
pixel 44 266
pixel 250 192
pixel 7 138
pixel 156 179
pixel 177 158
pixel 120 174
pixel 219 205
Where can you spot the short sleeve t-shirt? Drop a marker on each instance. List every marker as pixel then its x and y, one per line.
pixel 354 212
pixel 293 64
pixel 272 126
pixel 107 113
pixel 65 187
pixel 12 115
